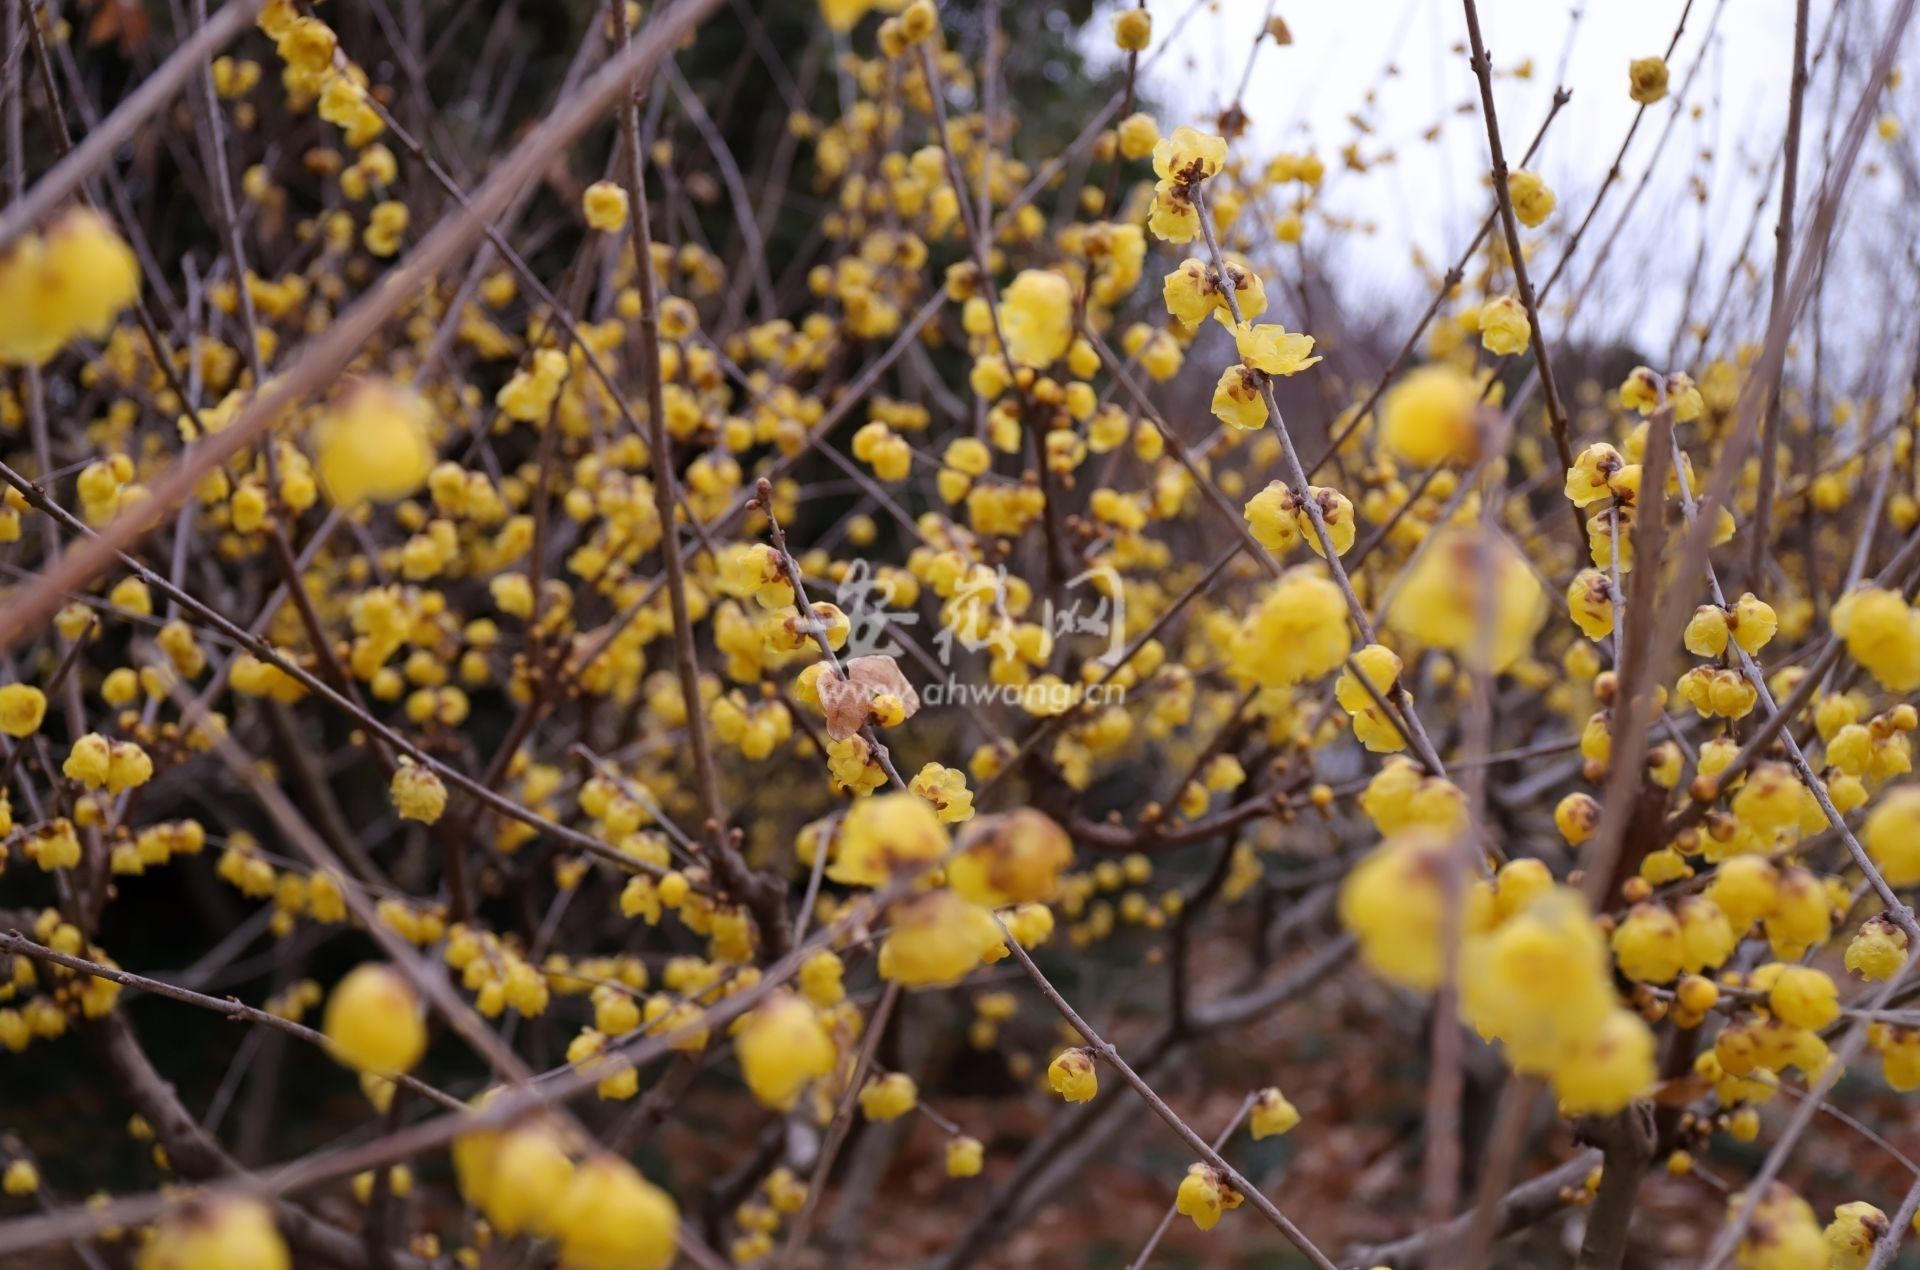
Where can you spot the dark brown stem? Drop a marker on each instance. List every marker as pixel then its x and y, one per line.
pixel 198 1156
pixel 837 1130
pixel 1626 1142
pixel 686 662
pixel 1556 412
pixel 1111 1056
pixel 1443 293
pixel 1530 1202
pixel 1782 258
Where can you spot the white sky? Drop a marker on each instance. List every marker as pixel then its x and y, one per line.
pixel 1432 197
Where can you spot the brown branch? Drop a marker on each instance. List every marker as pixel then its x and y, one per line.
pixel 1695 544
pixel 1530 1202
pixel 254 643
pixel 197 1155
pixel 1782 258
pixel 1803 1114
pixel 1608 181
pixel 1627 1143
pixel 327 353
pixel 1145 1254
pixel 1443 293
pixel 763 499
pixel 660 444
pixel 1407 722
pixel 838 1129
pixel 1889 1246
pixel 1105 1049
pixel 230 1007
pixel 1556 412
pixel 141 107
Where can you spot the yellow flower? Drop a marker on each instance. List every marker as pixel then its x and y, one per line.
pixel 1036 316
pixel 529 395
pixel 1537 981
pixel 888 1097
pixel 1753 622
pixel 1640 390
pixel 1137 134
pixel 1532 200
pixel 1298 632
pixel 1173 217
pixel 375 442
pixel 1647 944
pixel 1685 398
pixel 1853 1234
pixel 308 46
pixel 89 761
pixel 937 939
pixel 1432 416
pixel 783 1047
pixel 222 1232
pixel 1590 479
pixel 1193 291
pixel 73 282
pixel 1882 634
pixel 21 1178
pixel 851 767
pixel 611 1218
pixel 1031 925
pixel 605 205
pixel 1706 632
pixel 1504 329
pixel 1440 602
pixel 1576 817
pixel 1771 802
pixel 1892 836
pixel 965 1157
pixel 1393 902
pixel 528 1172
pixel 1746 888
pixel 844 15
pixel 1012 858
pixel 919 21
pixel 1400 798
pixel 1203 1195
pixel 417 793
pixel 128 767
pixel 1878 950
pixel 373 1021
pixel 884 834
pixel 1784 1233
pixel 1239 399
pixel 386 226
pixel 1371 727
pixel 1132 29
pixel 1609 1070
pixel 1802 916
pixel 1073 1076
pixel 1189 155
pixel 945 789
pixel 1647 79
pixel 1803 997
pixel 1272 1114
pixel 22 707
pixel 1590 603
pixel 1274 518
pixel 1272 350
pixel 820 979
